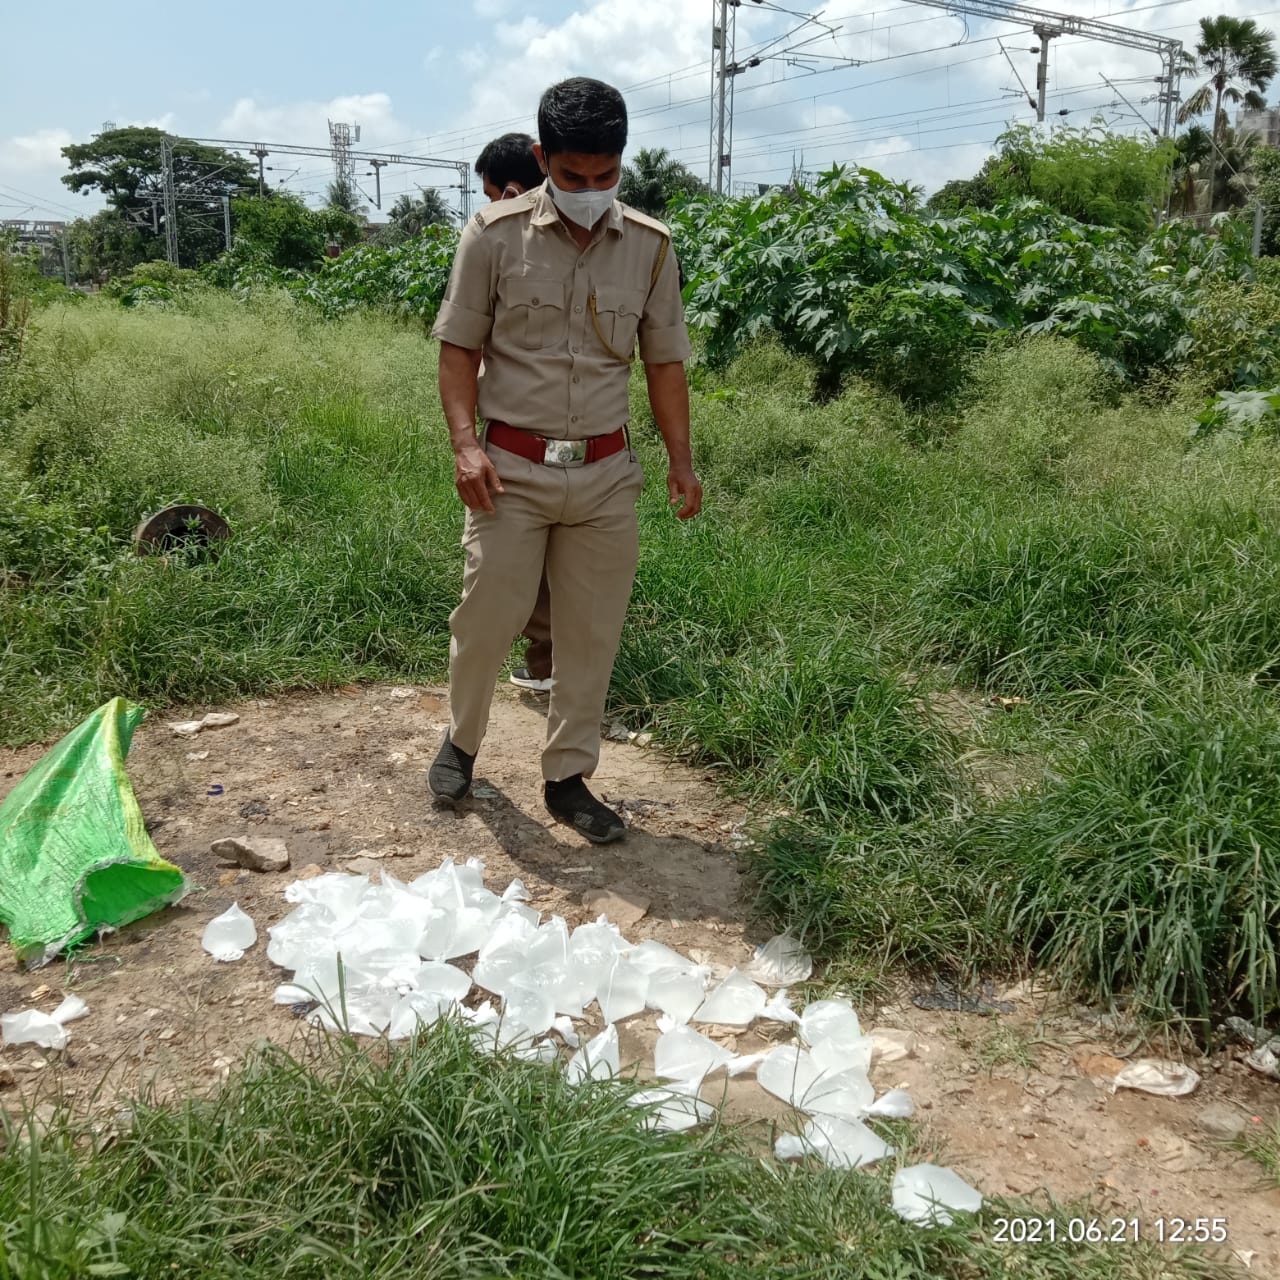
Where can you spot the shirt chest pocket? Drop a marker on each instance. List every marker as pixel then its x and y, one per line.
pixel 537 311
pixel 617 312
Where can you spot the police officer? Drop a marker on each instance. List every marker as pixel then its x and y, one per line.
pixel 508 167
pixel 553 289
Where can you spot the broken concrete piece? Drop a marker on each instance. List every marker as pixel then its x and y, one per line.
pixel 264 853
pixel 618 907
pixel 888 1044
pixel 1222 1121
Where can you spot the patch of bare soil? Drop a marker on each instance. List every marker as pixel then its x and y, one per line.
pixel 1018 1103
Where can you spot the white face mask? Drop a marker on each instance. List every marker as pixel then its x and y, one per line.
pixel 586 208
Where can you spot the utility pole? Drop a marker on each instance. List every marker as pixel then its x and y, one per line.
pixel 377 182
pixel 720 59
pixel 66 257
pixel 170 202
pixel 1042 68
pixel 226 218
pixel 262 153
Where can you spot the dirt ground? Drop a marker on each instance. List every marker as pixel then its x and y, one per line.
pixel 1018 1103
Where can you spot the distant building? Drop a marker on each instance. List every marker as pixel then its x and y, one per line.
pixel 33 231
pixel 1266 124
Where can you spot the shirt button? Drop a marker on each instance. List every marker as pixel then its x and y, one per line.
pixel 577 310
pixel 582 262
pixel 574 418
pixel 535 301
pixel 576 378
pixel 575 351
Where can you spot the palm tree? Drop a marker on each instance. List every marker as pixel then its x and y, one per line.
pixel 1239 59
pixel 651 180
pixel 342 194
pixel 1212 174
pixel 411 213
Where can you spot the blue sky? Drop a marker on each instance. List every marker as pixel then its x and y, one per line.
pixel 932 92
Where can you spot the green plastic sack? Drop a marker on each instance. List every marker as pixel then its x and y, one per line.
pixel 75 857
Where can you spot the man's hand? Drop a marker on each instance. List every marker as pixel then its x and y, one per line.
pixel 683 484
pixel 475 476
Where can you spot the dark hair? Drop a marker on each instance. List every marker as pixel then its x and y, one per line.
pixel 582 115
pixel 510 158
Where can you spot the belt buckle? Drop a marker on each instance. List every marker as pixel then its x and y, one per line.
pixel 565 453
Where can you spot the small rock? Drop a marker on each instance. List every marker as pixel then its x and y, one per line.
pixel 403 691
pixel 194 756
pixel 310 871
pixel 265 854
pixel 618 732
pixel 1222 1121
pixel 7 1078
pixel 219 719
pixel 891 1045
pixel 640 739
pixel 370 853
pixel 1097 1066
pixel 361 866
pixel 396 757
pixel 620 908
pixel 167 1034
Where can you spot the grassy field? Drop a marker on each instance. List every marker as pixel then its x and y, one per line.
pixel 863 579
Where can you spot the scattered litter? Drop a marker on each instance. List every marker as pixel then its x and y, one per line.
pixel 563 1026
pixel 895 1104
pixel 1265 1060
pixel 214 720
pixel 215 790
pixel 947 996
pixel 403 691
pixel 929 1193
pixel 781 962
pixel 640 739
pixel 371 954
pixel 46 1030
pixel 679 1106
pixel 260 854
pixel 194 756
pixel 733 1002
pixel 92 868
pixel 618 732
pixel 839 1144
pixel 685 1054
pixel 230 935
pixel 254 809
pixel 1158 1076
pixel 598 1059
pixel 1006 704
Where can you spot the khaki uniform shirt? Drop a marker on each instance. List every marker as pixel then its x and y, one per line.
pixel 520 291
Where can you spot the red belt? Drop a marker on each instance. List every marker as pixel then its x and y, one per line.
pixel 527 445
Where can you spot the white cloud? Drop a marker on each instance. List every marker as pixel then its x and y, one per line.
pixel 33 151
pixel 491 8
pixel 307 122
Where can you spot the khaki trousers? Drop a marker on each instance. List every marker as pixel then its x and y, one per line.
pixel 581 522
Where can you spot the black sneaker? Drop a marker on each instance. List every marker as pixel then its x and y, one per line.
pixel 571 802
pixel 450 776
pixel 523 678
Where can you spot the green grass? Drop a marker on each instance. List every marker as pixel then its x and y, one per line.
pixel 1262 1144
pixel 435 1161
pixel 1045 537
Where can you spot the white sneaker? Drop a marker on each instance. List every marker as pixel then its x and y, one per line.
pixel 521 678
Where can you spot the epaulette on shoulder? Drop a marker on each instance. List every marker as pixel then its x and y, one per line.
pixel 491 213
pixel 645 221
